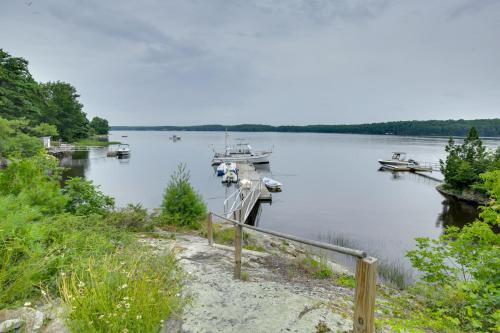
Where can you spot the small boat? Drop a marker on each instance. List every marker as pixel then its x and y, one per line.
pixel 225 167
pixel 123 150
pixel 398 159
pixel 230 177
pixel 175 138
pixel 124 136
pixel 272 184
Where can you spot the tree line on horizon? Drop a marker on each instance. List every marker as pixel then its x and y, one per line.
pixel 50 104
pixel 459 128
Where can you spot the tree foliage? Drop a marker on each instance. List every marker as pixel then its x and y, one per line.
pixel 40 104
pixel 99 125
pixel 84 198
pixel 461 269
pixel 182 206
pixel 464 163
pixel 485 127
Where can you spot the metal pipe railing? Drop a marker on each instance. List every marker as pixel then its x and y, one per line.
pixel 321 245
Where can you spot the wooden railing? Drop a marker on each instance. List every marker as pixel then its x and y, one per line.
pixel 366 268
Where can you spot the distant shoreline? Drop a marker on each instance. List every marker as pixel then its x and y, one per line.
pixel 487 128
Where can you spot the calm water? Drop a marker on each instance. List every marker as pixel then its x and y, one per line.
pixel 332 185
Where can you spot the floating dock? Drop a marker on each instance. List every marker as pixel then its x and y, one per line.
pixel 247 171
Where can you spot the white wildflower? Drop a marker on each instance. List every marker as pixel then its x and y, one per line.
pixel 138 317
pixel 27 304
pixel 81 284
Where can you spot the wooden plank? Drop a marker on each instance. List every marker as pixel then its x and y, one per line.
pixel 210 233
pixel 238 244
pixel 247 171
pixel 364 296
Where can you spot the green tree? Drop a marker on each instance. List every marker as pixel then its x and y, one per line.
pixel 65 111
pixel 461 269
pixel 182 206
pixel 464 163
pixel 20 94
pixel 44 129
pixel 85 199
pixel 99 125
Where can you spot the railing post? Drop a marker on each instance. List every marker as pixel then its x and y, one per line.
pixel 210 233
pixel 238 240
pixel 364 295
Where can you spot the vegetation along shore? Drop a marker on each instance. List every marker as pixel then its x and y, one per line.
pixel 446 128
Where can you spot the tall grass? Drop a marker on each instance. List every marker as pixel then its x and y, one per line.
pixel 392 272
pixel 124 292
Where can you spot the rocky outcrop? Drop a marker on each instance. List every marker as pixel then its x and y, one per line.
pixel 27 319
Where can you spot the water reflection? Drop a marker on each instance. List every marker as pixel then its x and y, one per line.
pixel 76 164
pixel 456 213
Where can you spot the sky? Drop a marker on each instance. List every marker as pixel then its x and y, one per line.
pixel 278 62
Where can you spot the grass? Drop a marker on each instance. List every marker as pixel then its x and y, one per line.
pixel 392 272
pixel 254 247
pixel 245 276
pixel 125 292
pixel 317 268
pixel 94 142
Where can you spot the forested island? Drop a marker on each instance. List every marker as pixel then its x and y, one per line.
pixel 456 128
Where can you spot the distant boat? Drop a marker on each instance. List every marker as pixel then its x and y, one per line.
pixel 124 136
pixel 175 138
pixel 123 150
pixel 272 184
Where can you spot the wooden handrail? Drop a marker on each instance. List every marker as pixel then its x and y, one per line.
pixel 366 268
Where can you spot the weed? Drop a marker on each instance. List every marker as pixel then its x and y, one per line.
pixel 245 276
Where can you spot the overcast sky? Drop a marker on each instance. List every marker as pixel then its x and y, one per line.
pixel 158 62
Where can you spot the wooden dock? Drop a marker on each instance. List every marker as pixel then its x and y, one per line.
pixel 247 171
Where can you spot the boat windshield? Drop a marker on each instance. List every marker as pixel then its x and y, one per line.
pixel 398 156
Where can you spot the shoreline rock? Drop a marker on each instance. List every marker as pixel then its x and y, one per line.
pixel 467 196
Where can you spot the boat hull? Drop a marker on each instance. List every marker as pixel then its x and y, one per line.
pixel 253 159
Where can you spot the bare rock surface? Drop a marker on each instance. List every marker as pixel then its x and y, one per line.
pixel 267 301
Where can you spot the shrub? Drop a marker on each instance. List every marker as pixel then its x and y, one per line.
pixel 84 198
pixel 35 181
pixel 461 269
pixel 133 217
pixel 125 292
pixel 182 206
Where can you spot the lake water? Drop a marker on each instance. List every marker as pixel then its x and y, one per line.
pixel 332 183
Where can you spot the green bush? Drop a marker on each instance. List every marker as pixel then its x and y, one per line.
pixel 84 198
pixel 182 206
pixel 461 270
pixel 133 217
pixel 35 181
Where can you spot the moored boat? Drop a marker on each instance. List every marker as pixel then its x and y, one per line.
pixel 123 150
pixel 272 184
pixel 241 153
pixel 398 159
pixel 230 177
pixel 225 167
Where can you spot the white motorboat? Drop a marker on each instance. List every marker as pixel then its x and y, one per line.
pixel 272 184
pixel 225 167
pixel 175 138
pixel 230 177
pixel 241 153
pixel 399 159
pixel 123 150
